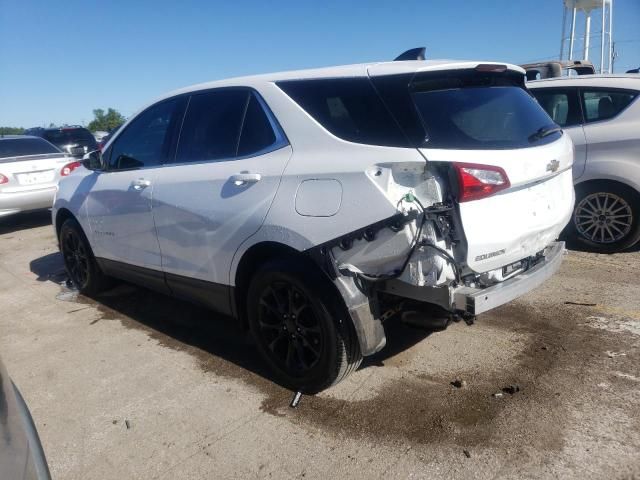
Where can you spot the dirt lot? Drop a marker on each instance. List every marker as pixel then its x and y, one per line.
pixel 137 385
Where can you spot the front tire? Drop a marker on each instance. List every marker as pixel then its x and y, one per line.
pixel 79 262
pixel 606 218
pixel 301 327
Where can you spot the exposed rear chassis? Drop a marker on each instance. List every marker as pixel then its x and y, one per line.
pixel 474 301
pixel 462 299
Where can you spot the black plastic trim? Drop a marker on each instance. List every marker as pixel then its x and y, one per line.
pixel 212 295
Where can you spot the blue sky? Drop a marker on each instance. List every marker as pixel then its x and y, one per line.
pixel 60 60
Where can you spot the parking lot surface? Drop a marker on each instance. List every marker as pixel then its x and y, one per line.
pixel 134 384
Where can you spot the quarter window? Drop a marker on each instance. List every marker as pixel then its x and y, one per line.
pixel 349 108
pixel 257 132
pixel 211 128
pixel 605 104
pixel 562 106
pixel 147 140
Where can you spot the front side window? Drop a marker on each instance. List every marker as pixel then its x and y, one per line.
pixel 211 127
pixel 605 104
pixel 561 105
pixel 147 139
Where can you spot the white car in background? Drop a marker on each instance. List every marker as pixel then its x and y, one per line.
pixel 601 113
pixel 30 168
pixel 313 205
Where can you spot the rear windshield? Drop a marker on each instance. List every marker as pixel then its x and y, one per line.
pixel 493 117
pixel 20 147
pixel 77 136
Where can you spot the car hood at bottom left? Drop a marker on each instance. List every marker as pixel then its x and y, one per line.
pixel 21 454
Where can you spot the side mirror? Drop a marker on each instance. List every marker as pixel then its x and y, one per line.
pixel 93 160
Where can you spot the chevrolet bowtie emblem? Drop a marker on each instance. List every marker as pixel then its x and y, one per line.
pixel 553 165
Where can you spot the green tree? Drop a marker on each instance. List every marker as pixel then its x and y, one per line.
pixel 105 121
pixel 11 130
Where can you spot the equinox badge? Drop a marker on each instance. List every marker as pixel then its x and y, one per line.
pixel 553 165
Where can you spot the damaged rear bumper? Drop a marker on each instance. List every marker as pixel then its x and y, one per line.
pixel 474 301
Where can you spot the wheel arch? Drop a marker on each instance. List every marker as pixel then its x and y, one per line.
pixel 256 256
pixel 606 181
pixel 62 215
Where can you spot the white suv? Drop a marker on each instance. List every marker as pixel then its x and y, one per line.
pixel 311 205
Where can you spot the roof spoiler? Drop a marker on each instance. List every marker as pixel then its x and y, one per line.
pixel 536 71
pixel 413 54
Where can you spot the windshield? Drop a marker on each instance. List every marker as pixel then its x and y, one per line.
pixel 76 136
pixel 493 117
pixel 20 147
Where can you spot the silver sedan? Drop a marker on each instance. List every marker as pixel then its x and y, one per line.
pixel 30 168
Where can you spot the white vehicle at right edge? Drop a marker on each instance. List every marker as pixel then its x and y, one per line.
pixel 314 205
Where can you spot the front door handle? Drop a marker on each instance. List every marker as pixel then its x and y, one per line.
pixel 242 179
pixel 140 184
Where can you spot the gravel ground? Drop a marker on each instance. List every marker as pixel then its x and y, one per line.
pixel 137 385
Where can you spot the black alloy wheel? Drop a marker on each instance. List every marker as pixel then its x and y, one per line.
pixel 301 326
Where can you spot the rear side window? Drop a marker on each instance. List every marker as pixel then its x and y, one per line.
pixel 19 147
pixel 349 108
pixel 147 139
pixel 257 132
pixel 212 124
pixel 562 106
pixel 482 117
pixel 605 104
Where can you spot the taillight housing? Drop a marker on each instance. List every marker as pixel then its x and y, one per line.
pixel 69 167
pixel 3 179
pixel 478 181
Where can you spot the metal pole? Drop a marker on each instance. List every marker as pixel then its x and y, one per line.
pixel 573 32
pixel 604 13
pixel 587 34
pixel 564 30
pixel 611 44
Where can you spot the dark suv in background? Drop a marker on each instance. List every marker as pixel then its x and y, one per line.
pixel 74 140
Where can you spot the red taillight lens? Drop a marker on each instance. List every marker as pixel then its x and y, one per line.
pixel 69 167
pixel 480 181
pixel 3 179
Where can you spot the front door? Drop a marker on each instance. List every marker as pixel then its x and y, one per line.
pixel 119 204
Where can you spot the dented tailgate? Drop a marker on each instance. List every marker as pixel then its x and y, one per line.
pixel 522 220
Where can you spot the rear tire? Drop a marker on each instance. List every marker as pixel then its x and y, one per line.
pixel 606 217
pixel 301 327
pixel 79 262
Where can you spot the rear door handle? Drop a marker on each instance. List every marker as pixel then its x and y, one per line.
pixel 140 183
pixel 241 179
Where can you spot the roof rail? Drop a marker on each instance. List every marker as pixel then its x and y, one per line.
pixel 413 54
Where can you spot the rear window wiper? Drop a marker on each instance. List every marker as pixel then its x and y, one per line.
pixel 544 131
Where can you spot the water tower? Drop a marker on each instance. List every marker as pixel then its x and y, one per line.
pixel 603 10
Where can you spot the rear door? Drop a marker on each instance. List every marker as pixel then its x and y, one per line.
pixel 119 203
pixel 501 146
pixel 217 190
pixel 563 106
pixel 612 134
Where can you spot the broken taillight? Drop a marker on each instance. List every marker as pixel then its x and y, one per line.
pixel 479 181
pixel 69 167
